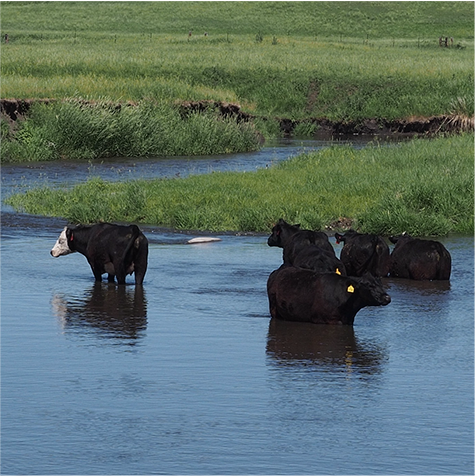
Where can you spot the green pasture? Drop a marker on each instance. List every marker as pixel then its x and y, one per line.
pixel 339 60
pixel 317 19
pixel 344 61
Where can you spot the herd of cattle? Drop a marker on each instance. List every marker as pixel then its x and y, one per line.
pixel 312 284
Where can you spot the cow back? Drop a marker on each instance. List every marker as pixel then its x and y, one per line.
pixel 418 259
pixel 363 253
pixel 317 259
pixel 302 295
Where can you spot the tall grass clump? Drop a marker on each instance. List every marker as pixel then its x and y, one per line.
pixel 431 190
pixel 422 187
pixel 77 129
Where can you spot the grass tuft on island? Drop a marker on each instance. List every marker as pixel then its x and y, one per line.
pixel 424 187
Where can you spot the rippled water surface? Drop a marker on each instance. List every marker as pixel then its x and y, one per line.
pixel 190 375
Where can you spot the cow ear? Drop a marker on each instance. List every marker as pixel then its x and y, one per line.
pixel 69 234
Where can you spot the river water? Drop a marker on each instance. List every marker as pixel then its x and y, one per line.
pixel 190 376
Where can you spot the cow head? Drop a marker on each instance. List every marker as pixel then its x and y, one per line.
pixel 372 291
pixel 341 238
pixel 281 232
pixel 61 247
pixel 400 238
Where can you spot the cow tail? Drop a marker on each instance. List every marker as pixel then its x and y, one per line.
pixel 134 242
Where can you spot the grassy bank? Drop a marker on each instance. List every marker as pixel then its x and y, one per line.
pixel 343 80
pixel 77 130
pixel 339 60
pixel 297 78
pixel 422 187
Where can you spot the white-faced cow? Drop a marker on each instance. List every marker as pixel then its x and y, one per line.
pixel 305 248
pixel 363 253
pixel 117 250
pixel 321 298
pixel 418 259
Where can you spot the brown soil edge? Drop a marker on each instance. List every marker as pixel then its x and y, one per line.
pixel 13 110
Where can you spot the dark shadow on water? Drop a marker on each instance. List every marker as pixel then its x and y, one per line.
pixel 111 311
pixel 331 347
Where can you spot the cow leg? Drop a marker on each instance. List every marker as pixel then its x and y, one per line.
pixel 97 274
pixel 120 274
pixel 140 264
pixel 121 277
pixel 96 270
pixel 139 275
pixel 110 278
pixel 273 307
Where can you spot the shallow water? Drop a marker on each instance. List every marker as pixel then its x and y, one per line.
pixel 190 375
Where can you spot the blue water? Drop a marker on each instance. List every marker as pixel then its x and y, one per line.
pixel 192 377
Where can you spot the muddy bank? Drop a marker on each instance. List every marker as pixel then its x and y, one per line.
pixel 327 128
pixel 13 110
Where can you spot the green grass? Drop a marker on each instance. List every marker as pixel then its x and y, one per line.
pixel 351 19
pixel 339 60
pixel 296 78
pixel 423 187
pixel 78 130
pixel 344 61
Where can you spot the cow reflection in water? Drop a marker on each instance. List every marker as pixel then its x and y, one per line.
pixel 113 311
pixel 300 343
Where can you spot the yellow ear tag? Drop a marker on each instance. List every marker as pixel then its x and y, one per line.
pixel 337 271
pixel 350 289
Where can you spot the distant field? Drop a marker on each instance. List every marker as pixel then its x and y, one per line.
pixel 377 20
pixel 339 60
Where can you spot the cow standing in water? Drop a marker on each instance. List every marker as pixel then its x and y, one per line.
pixel 113 249
pixel 413 258
pixel 363 253
pixel 283 234
pixel 296 294
pixel 305 248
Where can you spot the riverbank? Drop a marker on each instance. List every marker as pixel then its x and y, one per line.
pixel 424 187
pixel 13 110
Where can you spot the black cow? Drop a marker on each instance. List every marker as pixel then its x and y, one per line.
pixel 302 295
pixel 113 249
pixel 305 248
pixel 363 253
pixel 315 258
pixel 283 234
pixel 413 258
